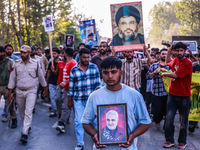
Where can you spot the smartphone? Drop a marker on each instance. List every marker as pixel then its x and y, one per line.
pixel 166 44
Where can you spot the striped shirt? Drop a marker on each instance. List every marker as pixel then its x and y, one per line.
pixel 158 86
pixel 82 84
pixel 132 72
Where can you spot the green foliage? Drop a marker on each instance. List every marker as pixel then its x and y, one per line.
pixel 163 20
pixel 188 12
pixel 178 18
pixel 31 17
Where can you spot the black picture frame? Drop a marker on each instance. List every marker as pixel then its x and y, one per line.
pixel 112 124
pixel 72 36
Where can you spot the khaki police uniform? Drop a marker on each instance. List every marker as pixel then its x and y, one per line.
pixel 26 76
pixel 40 60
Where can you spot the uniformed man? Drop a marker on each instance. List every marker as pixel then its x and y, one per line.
pixel 11 112
pixel 26 74
pixel 6 65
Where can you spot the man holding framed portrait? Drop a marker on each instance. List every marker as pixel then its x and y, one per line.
pixel 134 119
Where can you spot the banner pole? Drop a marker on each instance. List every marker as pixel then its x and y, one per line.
pixel 51 52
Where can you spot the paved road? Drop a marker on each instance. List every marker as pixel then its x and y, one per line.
pixel 44 137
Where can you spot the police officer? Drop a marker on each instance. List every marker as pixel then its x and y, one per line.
pixel 26 74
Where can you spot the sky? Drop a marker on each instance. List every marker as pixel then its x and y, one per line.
pixel 100 11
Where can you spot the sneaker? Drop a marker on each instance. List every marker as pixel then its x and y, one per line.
pixel 52 114
pixel 50 109
pixel 168 145
pixel 4 119
pixel 55 124
pixel 24 138
pixel 60 123
pixel 14 123
pixel 60 128
pixel 158 126
pixel 181 146
pixel 79 147
pixel 29 130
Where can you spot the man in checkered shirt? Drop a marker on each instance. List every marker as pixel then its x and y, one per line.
pixel 84 79
pixel 159 95
pixel 132 69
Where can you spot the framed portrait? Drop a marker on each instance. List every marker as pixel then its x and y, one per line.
pixel 69 40
pixel 127 26
pixel 112 123
pixel 48 23
pixel 88 32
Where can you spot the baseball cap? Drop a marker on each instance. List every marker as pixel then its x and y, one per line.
pixel 25 48
pixel 61 46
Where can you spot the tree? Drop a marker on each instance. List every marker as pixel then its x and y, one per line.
pixel 22 22
pixel 20 25
pixel 2 23
pixel 163 18
pixel 188 12
pixel 13 24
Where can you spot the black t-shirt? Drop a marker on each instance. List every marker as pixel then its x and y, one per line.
pixel 53 78
pixel 196 69
pixel 97 60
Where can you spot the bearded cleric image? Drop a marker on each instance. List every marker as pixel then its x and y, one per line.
pixel 127 19
pixel 112 132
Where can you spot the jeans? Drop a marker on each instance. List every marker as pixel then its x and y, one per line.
pixel 65 110
pixel 11 110
pixel 183 105
pixel 52 91
pixel 158 107
pixel 79 108
pixel 148 96
pixel 192 125
pixel 4 113
pixel 58 98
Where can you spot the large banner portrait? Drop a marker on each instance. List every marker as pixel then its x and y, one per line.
pixel 48 23
pixel 112 123
pixel 127 26
pixel 69 40
pixel 88 32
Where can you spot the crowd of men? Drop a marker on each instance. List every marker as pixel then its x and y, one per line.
pixel 89 76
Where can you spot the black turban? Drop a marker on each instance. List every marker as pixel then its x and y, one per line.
pixel 127 11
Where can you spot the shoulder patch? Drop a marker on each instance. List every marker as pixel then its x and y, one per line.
pixel 34 60
pixel 18 60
